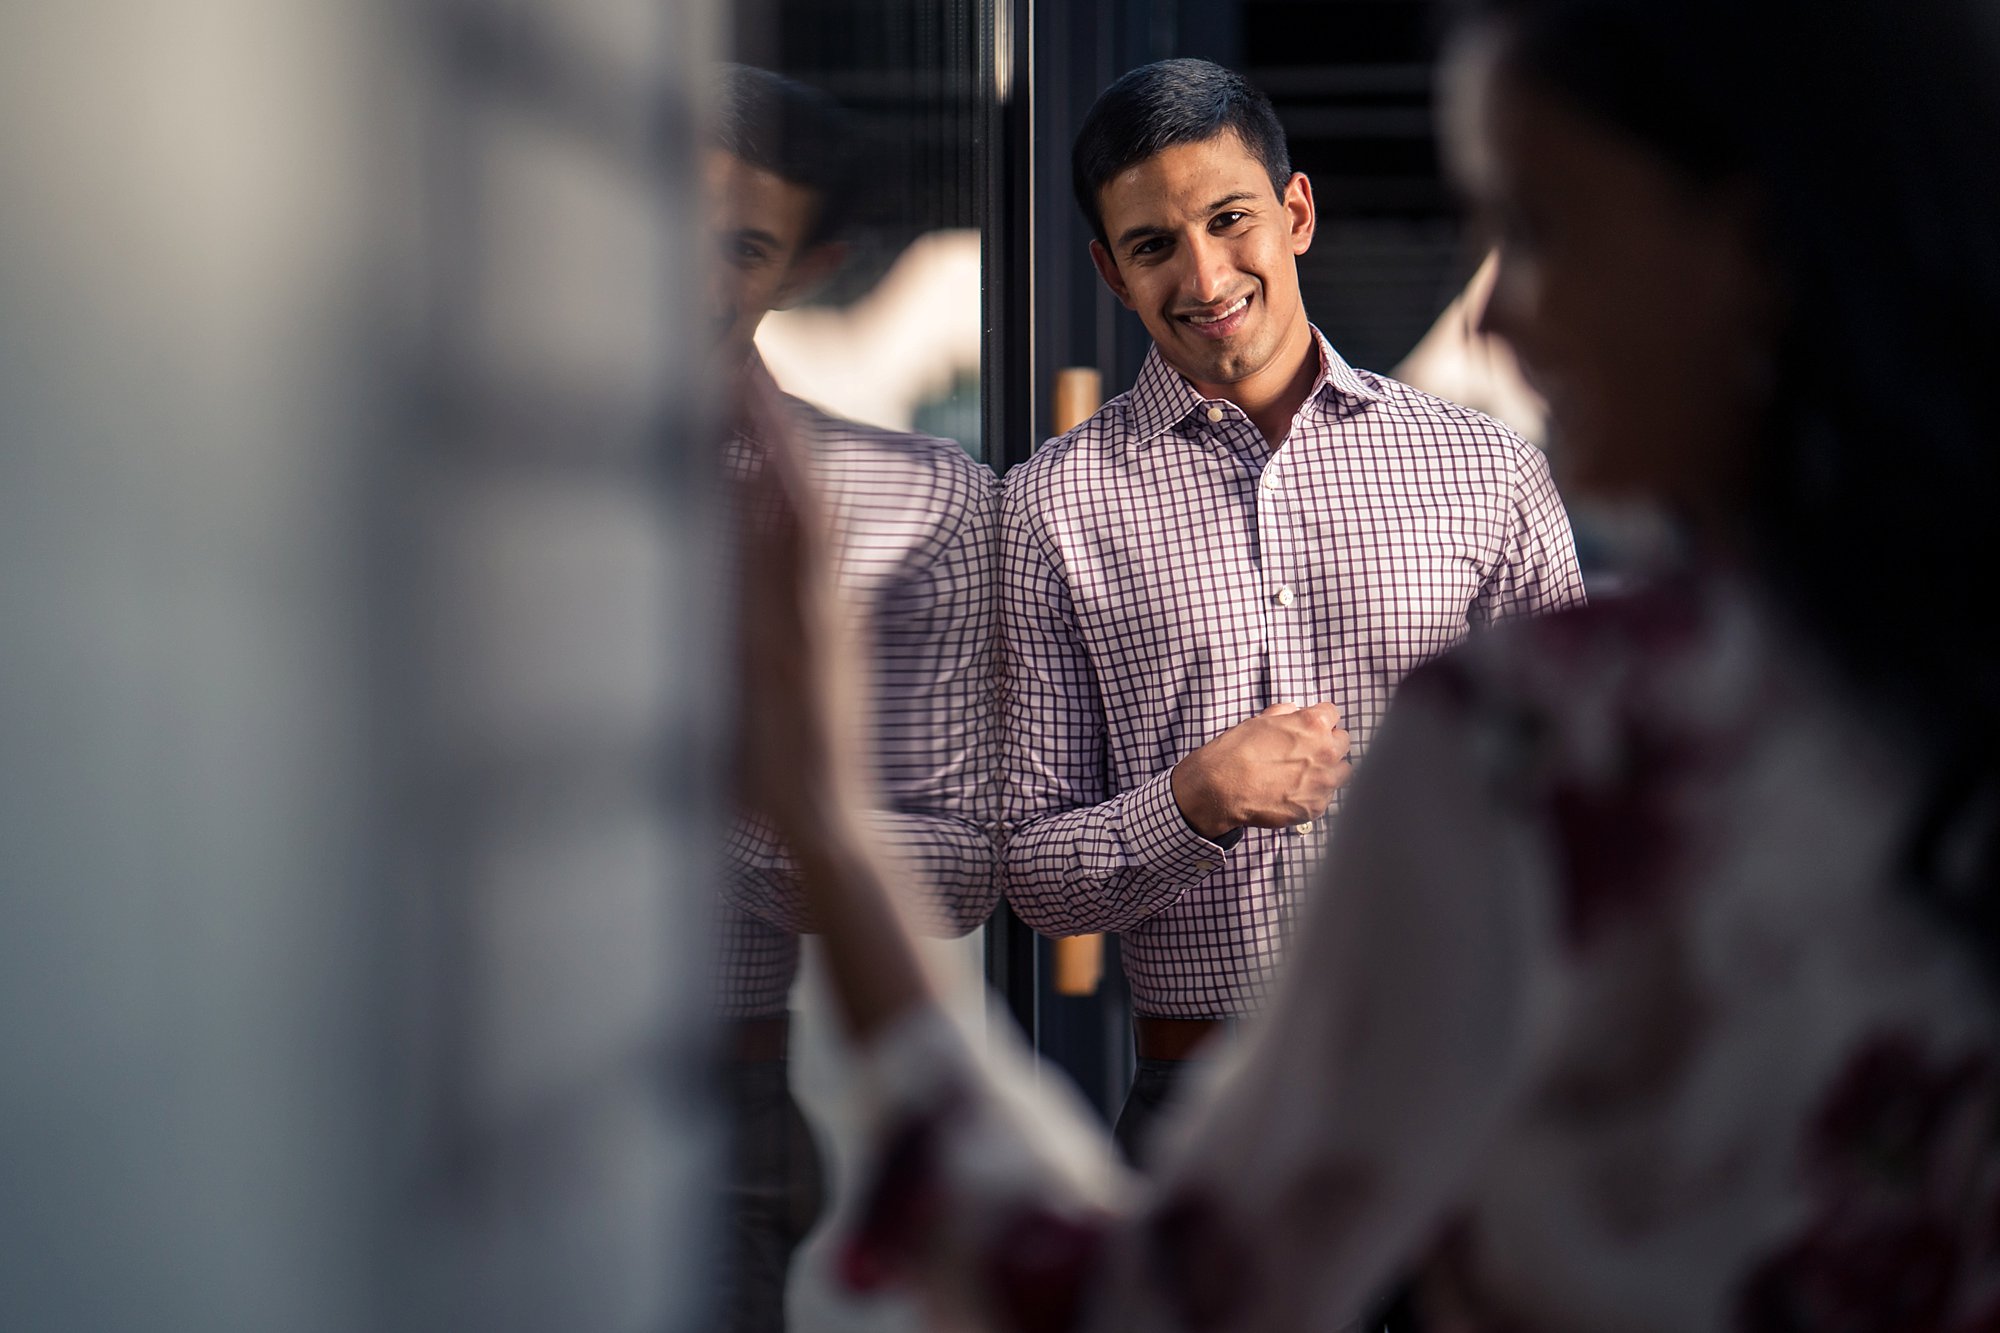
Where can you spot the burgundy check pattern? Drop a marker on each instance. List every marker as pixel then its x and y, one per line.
pixel 912 519
pixel 1166 575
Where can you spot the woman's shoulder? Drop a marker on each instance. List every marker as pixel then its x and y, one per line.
pixel 1653 739
pixel 1631 640
pixel 1641 688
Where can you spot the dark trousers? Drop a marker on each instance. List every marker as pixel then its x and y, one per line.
pixel 775 1189
pixel 1156 1086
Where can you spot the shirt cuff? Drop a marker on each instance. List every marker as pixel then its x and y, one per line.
pixel 1158 836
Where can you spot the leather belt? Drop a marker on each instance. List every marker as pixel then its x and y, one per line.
pixel 1174 1038
pixel 752 1039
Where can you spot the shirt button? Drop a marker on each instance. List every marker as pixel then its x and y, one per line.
pixel 1285 597
pixel 1269 481
pixel 1215 414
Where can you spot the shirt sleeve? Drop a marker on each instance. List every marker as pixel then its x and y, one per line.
pixel 933 703
pixel 1359 1109
pixel 1537 572
pixel 1077 857
pixel 948 864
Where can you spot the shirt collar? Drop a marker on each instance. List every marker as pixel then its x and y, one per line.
pixel 1162 399
pixel 757 378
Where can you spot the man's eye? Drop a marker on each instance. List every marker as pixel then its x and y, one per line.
pixel 1223 221
pixel 745 255
pixel 1145 248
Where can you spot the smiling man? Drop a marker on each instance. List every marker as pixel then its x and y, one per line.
pixel 1210 589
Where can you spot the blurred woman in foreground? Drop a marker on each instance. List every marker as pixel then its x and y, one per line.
pixel 1649 985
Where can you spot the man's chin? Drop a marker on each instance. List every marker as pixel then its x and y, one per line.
pixel 1211 362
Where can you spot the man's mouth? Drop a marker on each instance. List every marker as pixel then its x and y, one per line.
pixel 1219 323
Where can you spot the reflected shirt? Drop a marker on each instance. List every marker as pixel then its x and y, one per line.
pixel 1166 574
pixel 911 520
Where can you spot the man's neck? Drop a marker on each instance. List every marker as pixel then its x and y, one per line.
pixel 1271 398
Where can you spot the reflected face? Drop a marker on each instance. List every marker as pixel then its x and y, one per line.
pixel 1207 253
pixel 1638 301
pixel 758 223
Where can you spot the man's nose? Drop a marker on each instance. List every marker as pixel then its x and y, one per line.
pixel 1209 270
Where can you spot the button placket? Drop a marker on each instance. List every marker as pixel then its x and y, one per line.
pixel 1267 499
pixel 1290 673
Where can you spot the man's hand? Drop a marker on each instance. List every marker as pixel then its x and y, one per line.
pixel 1280 768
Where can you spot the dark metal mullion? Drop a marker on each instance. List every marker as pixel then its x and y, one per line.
pixel 1009 396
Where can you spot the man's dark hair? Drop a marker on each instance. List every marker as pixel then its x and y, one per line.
pixel 796 133
pixel 1170 102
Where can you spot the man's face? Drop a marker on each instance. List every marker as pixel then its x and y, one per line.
pixel 758 223
pixel 1206 252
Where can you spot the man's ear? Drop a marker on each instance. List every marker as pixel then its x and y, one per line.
pixel 809 272
pixel 1107 269
pixel 1300 209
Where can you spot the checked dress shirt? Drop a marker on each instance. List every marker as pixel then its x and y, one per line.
pixel 911 519
pixel 1166 575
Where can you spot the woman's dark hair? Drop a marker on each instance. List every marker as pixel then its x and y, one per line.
pixel 1866 129
pixel 1158 106
pixel 797 133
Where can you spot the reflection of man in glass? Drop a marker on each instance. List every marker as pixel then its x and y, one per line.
pixel 1211 587
pixel 912 533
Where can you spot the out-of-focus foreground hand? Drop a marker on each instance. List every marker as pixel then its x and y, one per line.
pixel 795 743
pixel 791 758
pixel 992 1194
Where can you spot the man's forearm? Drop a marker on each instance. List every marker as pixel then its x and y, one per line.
pixel 1106 867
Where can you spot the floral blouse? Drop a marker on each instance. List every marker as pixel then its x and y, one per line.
pixel 1611 1011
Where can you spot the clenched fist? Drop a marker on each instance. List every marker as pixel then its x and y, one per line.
pixel 1279 768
